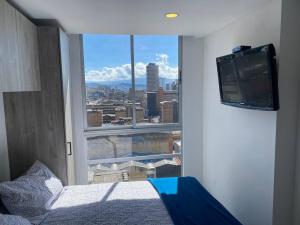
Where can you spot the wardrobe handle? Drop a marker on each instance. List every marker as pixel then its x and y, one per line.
pixel 69 143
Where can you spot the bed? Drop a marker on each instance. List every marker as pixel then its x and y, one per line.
pixel 111 203
pixel 161 201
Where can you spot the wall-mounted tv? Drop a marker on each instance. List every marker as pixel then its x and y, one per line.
pixel 248 78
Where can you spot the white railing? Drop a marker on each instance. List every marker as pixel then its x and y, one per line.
pixel 134 158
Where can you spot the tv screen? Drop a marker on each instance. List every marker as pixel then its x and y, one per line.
pixel 248 78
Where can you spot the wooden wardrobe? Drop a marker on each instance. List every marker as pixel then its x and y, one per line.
pixel 19 63
pixel 38 123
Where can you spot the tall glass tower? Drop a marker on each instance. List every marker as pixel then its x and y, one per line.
pixel 152 77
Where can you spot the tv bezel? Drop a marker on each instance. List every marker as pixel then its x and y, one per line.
pixel 274 79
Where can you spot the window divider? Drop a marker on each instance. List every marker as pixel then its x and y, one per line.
pixel 128 130
pixel 180 62
pixel 133 81
pixel 83 86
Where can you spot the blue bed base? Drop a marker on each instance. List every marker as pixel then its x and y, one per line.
pixel 189 203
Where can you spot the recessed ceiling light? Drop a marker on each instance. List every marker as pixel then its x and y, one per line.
pixel 171 15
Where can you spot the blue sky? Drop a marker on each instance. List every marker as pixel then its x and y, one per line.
pixel 108 56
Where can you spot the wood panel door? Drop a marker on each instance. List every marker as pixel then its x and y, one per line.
pixel 9 60
pixel 28 54
pixel 19 59
pixel 35 121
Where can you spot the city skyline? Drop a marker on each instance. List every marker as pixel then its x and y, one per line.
pixel 111 102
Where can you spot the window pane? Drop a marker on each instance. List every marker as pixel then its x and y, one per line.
pixel 107 68
pixel 134 157
pixel 156 79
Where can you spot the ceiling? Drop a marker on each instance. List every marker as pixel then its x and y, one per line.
pixel 196 17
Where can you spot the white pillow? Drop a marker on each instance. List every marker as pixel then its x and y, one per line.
pixel 13 220
pixel 33 194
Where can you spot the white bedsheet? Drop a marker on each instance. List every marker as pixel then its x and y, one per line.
pixel 127 203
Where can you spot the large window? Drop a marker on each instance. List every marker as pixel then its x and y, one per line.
pixel 132 109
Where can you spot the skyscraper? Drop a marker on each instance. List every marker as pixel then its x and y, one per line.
pixel 152 104
pixel 175 111
pixel 152 77
pixel 160 95
pixel 166 111
pixel 169 111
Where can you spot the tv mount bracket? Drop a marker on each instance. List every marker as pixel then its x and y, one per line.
pixel 240 48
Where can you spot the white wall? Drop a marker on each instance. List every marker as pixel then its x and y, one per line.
pixel 239 144
pixel 4 163
pixel 192 58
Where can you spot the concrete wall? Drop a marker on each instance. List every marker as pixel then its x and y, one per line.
pixel 239 144
pixel 192 85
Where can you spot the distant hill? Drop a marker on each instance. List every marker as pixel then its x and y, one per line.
pixel 140 83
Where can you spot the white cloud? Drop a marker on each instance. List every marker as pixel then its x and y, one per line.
pixel 109 73
pixel 123 72
pixel 165 70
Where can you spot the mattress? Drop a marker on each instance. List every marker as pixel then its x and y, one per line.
pixel 126 203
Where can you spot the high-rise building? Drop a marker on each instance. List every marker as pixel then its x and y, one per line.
pixel 169 111
pixel 160 95
pixel 129 109
pixel 152 104
pixel 139 114
pixel 170 95
pixel 175 111
pixel 94 118
pixel 139 95
pixel 152 77
pixel 166 110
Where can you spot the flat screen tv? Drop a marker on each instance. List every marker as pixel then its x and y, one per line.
pixel 248 78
